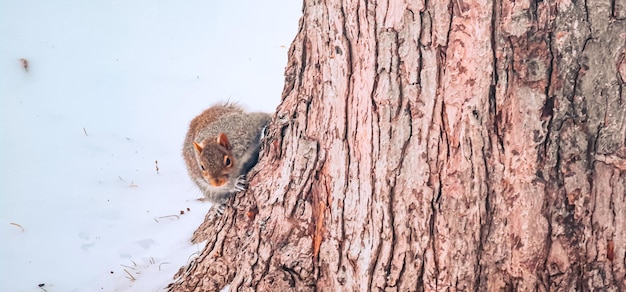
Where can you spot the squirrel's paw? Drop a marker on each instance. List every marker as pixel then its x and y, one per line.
pixel 242 183
pixel 220 209
pixel 216 211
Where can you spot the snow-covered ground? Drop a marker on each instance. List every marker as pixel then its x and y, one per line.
pixel 104 100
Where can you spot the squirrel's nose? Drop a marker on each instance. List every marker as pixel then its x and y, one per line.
pixel 217 182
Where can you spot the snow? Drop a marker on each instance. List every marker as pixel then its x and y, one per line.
pixel 108 93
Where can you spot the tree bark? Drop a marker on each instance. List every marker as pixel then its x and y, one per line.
pixel 438 145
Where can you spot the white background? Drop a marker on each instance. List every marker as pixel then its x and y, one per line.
pixel 110 88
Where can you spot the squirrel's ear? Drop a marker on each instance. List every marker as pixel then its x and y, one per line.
pixel 197 146
pixel 223 140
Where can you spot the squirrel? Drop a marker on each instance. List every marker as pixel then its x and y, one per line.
pixel 221 146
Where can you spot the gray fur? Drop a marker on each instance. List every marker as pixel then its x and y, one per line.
pixel 243 131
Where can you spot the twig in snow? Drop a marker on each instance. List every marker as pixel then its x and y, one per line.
pixel 168 216
pixel 193 256
pixel 167 263
pixel 130 276
pixel 20 226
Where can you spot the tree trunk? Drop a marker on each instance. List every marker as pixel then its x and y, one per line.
pixel 440 145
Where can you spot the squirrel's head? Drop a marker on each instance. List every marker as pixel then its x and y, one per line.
pixel 215 159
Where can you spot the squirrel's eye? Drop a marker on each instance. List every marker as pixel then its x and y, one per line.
pixel 202 167
pixel 227 161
